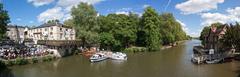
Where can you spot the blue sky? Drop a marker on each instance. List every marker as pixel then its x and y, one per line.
pixel 192 14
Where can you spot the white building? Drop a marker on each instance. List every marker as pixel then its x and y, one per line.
pixel 16 33
pixel 51 31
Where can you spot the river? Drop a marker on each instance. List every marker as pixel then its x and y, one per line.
pixel 172 62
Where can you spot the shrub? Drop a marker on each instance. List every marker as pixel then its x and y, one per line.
pixel 47 58
pixel 34 60
pixel 21 61
pixel 135 49
pixel 9 63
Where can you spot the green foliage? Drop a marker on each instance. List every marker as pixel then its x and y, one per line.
pixel 4 20
pixel 232 37
pixel 47 58
pixel 69 22
pixel 85 23
pixel 170 29
pixel 21 61
pixel 53 21
pixel 204 34
pixel 150 22
pixel 119 31
pixel 34 60
pixel 135 49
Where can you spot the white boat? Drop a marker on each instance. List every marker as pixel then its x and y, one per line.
pixel 118 56
pixel 98 57
pixel 213 61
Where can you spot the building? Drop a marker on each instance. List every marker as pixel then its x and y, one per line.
pixel 53 37
pixel 16 33
pixel 213 37
pixel 51 31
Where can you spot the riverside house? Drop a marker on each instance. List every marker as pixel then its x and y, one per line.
pixel 213 37
pixel 52 37
pixel 51 31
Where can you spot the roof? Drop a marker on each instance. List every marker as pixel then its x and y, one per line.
pixel 14 26
pixel 51 24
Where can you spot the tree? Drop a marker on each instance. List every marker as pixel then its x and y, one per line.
pixel 171 29
pixel 85 23
pixel 122 27
pixel 150 22
pixel 4 20
pixel 53 21
pixel 69 22
pixel 232 37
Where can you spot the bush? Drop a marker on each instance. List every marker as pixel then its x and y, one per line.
pixel 34 60
pixel 9 63
pixel 21 61
pixel 135 49
pixel 47 58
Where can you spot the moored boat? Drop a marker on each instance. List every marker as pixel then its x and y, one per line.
pixel 118 56
pixel 98 57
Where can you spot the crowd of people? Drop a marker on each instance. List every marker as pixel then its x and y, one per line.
pixel 13 53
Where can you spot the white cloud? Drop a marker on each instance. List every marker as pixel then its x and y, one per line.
pixel 70 3
pixel 210 18
pixel 234 13
pixel 122 12
pixel 198 6
pixel 62 10
pixel 146 5
pixel 231 16
pixel 40 2
pixel 50 14
pixel 195 34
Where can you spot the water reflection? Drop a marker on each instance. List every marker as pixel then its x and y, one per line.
pixel 173 62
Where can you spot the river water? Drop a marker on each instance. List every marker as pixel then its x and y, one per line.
pixel 172 62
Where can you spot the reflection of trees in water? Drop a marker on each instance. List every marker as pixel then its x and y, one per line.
pixel 238 72
pixel 4 71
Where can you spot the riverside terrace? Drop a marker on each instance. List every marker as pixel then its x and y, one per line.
pixel 57 48
pixel 10 50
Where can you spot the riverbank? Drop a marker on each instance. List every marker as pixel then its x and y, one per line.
pixel 144 49
pixel 28 60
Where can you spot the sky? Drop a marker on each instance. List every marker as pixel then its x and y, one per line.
pixel 193 15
